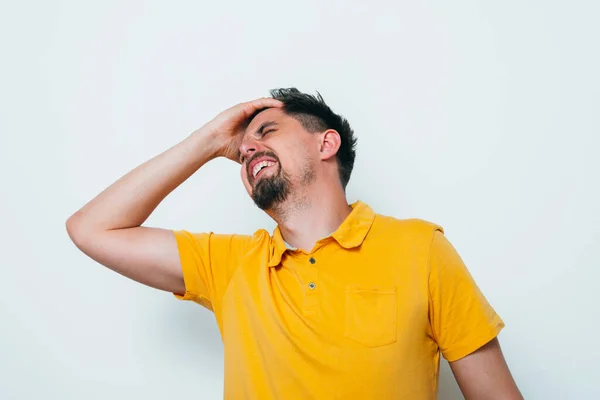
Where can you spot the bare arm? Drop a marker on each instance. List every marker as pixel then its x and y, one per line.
pixel 108 228
pixel 484 375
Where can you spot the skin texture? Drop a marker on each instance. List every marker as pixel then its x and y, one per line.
pixel 484 375
pixel 302 192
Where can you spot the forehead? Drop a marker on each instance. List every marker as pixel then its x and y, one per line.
pixel 268 115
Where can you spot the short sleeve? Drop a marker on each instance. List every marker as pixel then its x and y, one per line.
pixel 208 262
pixel 461 318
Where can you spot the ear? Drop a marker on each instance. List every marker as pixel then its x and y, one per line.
pixel 330 144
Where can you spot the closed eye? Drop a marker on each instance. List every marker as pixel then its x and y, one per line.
pixel 266 127
pixel 267 132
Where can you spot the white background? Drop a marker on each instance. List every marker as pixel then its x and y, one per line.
pixel 482 116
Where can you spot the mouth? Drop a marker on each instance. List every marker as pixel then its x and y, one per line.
pixel 258 169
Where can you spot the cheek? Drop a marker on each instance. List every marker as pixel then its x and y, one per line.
pixel 304 157
pixel 294 157
pixel 244 177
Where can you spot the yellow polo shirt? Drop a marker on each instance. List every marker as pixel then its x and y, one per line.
pixel 363 315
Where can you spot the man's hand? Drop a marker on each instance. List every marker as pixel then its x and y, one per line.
pixel 227 129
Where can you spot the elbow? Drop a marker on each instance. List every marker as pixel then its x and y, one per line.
pixel 72 227
pixel 73 223
pixel 76 229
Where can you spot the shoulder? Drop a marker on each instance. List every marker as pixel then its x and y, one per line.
pixel 404 235
pixel 259 240
pixel 212 239
pixel 410 227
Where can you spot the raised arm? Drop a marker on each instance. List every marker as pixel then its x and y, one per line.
pixel 109 228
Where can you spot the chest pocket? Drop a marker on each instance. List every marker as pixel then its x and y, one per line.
pixel 371 315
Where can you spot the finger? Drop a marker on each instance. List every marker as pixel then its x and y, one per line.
pixel 265 102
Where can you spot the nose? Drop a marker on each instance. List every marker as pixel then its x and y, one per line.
pixel 247 147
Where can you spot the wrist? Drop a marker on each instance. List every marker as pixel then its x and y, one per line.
pixel 205 142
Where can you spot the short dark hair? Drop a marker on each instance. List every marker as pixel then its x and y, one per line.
pixel 316 116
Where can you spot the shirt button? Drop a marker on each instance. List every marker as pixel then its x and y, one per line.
pixel 312 285
pixel 312 260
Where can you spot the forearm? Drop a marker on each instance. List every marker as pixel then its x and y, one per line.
pixel 130 200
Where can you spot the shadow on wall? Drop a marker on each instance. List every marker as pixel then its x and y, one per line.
pixel 447 387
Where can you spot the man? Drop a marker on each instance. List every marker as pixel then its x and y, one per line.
pixel 339 302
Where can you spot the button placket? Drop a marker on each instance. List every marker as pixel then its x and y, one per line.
pixel 311 291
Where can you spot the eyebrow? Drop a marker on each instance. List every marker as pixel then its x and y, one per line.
pixel 260 131
pixel 264 126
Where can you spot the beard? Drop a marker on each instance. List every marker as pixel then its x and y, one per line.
pixel 272 190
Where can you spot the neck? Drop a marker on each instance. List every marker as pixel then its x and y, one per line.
pixel 312 215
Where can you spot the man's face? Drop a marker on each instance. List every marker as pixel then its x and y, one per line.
pixel 278 157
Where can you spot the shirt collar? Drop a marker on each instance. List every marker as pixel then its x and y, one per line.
pixel 351 233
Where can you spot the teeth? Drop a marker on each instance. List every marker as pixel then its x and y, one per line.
pixel 260 166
